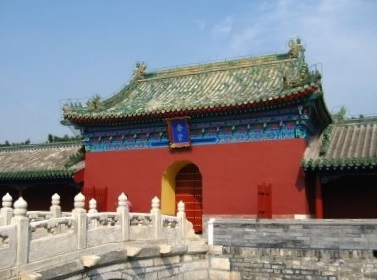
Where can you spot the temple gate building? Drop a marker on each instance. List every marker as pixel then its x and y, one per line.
pixel 227 138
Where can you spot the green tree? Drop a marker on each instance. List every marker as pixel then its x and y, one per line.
pixel 340 115
pixel 54 139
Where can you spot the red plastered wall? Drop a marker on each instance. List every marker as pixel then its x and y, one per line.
pixel 230 174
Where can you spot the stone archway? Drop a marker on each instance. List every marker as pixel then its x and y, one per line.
pixel 168 203
pixel 183 181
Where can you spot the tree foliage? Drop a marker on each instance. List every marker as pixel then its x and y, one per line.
pixel 55 139
pixel 7 144
pixel 340 115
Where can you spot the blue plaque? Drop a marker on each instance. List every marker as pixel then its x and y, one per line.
pixel 178 132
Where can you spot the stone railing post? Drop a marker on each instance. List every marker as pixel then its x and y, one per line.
pixel 79 213
pixel 55 208
pixel 92 206
pixel 6 211
pixel 22 228
pixel 156 212
pixel 124 217
pixel 93 210
pixel 181 215
pixel 210 231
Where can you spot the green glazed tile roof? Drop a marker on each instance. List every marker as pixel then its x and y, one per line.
pixel 351 144
pixel 204 87
pixel 39 161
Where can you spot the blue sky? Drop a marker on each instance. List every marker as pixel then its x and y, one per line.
pixel 51 51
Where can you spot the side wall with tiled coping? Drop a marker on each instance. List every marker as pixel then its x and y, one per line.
pixel 298 249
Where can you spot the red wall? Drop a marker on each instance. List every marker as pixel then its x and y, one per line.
pixel 230 172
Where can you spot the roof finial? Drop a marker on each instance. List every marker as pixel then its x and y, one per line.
pixel 95 102
pixel 139 70
pixel 296 48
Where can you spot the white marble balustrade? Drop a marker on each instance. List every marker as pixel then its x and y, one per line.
pixel 30 236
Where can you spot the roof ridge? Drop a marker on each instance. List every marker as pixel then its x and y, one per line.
pixel 40 146
pixel 357 121
pixel 195 69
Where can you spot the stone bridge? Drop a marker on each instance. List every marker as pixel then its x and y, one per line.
pixel 109 245
pixel 81 245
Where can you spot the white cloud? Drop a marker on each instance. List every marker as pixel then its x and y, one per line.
pixel 340 34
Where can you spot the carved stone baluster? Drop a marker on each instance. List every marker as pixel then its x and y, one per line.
pixel 124 217
pixel 55 208
pixel 156 212
pixel 93 210
pixel 92 206
pixel 181 215
pixel 6 212
pixel 22 226
pixel 79 213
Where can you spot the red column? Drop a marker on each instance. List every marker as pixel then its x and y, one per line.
pixel 318 198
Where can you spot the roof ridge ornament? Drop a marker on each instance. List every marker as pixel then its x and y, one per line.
pixel 296 48
pixel 300 74
pixel 95 102
pixel 139 71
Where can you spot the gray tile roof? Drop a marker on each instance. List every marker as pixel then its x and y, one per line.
pixel 39 161
pixel 350 144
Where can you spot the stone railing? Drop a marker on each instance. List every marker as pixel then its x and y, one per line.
pixel 27 237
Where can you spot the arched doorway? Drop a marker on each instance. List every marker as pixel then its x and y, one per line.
pixel 188 188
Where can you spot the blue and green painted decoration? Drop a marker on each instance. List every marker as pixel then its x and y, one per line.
pixel 202 132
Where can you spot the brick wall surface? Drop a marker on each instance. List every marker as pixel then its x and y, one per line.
pixel 316 234
pixel 312 249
